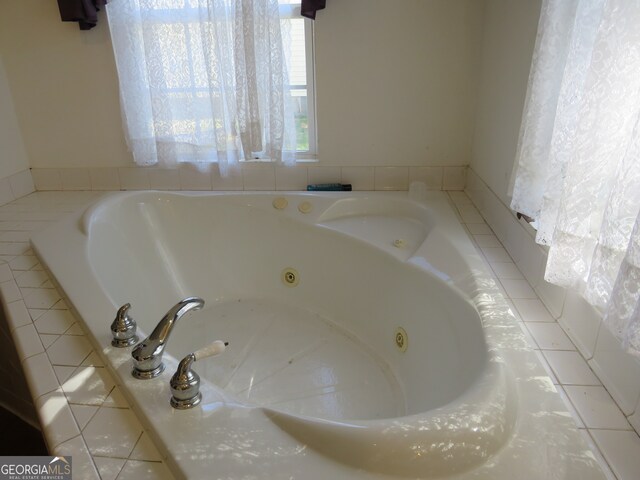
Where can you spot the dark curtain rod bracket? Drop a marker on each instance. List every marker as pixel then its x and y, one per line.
pixel 308 8
pixel 85 12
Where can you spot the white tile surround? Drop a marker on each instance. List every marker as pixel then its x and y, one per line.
pixel 598 380
pixel 251 176
pixel 81 408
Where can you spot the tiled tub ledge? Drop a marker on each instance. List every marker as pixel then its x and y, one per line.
pixel 84 414
pixel 550 317
pixel 254 176
pixel 81 410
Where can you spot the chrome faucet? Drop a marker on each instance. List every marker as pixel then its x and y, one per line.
pixel 147 355
pixel 185 383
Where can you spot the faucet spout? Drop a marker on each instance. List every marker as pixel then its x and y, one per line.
pixel 147 355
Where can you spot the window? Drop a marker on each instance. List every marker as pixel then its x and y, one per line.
pixel 299 53
pixel 214 80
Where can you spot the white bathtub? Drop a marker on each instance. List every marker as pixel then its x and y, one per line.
pixel 314 384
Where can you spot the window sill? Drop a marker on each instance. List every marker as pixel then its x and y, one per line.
pixel 305 158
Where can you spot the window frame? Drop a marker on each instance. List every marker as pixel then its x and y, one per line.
pixel 310 50
pixel 286 10
pixel 291 11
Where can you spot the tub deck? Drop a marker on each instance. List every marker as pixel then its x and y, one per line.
pixel 568 453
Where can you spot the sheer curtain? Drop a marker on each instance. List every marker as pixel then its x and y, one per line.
pixel 202 81
pixel 578 164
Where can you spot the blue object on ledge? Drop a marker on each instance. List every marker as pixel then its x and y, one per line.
pixel 329 187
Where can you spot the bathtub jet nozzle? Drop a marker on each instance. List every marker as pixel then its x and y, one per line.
pixel 147 355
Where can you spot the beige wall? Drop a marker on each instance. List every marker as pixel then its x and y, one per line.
pixel 64 87
pixel 396 83
pixel 509 37
pixel 13 156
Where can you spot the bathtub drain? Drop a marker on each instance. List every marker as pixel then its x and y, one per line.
pixel 402 339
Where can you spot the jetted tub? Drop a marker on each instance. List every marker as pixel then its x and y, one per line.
pixel 366 338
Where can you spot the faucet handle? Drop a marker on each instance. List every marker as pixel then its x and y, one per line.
pixel 214 348
pixel 185 383
pixel 124 328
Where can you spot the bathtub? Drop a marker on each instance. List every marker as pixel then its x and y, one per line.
pixel 366 339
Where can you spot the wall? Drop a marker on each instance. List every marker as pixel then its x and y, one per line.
pixel 13 156
pixel 396 81
pixel 509 38
pixel 417 64
pixel 15 179
pixel 64 87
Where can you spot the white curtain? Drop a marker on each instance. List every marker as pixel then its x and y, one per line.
pixel 578 165
pixel 202 81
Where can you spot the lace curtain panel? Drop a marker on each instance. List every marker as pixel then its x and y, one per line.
pixel 202 81
pixel 578 161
